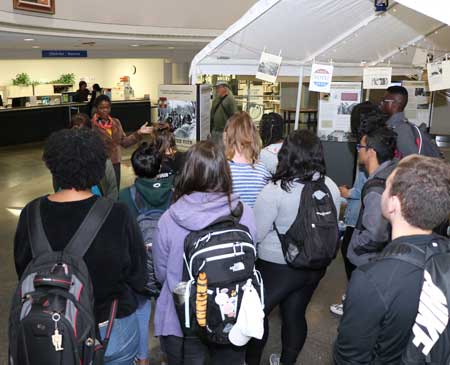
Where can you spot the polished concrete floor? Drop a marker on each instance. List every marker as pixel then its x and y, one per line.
pixel 23 177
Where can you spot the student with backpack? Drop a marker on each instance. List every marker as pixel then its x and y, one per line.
pixel 210 222
pixel 364 119
pixel 172 159
pixel 372 231
pixel 242 147
pixel 148 198
pixel 80 260
pixel 411 138
pixel 396 311
pixel 292 254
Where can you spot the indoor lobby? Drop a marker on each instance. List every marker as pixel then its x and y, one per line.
pixel 161 66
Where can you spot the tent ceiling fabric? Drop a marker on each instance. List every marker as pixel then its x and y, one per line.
pixel 437 9
pixel 348 32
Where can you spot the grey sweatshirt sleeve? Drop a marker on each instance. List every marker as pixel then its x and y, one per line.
pixel 266 211
pixel 406 140
pixel 367 242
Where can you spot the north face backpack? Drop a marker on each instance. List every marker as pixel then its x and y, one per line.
pixel 148 221
pixel 219 260
pixel 52 314
pixel 312 241
pixel 429 342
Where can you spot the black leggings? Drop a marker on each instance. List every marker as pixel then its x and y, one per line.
pixel 349 267
pixel 292 289
pixel 192 351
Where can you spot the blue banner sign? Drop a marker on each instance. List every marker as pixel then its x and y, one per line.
pixel 63 54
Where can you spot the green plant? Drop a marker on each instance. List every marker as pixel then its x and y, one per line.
pixel 22 79
pixel 68 79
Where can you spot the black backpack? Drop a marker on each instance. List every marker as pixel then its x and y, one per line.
pixel 52 314
pixel 219 260
pixel 429 342
pixel 312 241
pixel 426 146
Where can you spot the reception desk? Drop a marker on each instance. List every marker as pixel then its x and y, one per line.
pixel 35 124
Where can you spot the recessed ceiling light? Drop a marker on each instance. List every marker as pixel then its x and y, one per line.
pixel 29 39
pixel 36 47
pixel 134 45
pixel 171 47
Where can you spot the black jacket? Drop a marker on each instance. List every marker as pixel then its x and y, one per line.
pixel 379 310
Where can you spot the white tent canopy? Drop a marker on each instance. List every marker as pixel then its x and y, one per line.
pixel 346 32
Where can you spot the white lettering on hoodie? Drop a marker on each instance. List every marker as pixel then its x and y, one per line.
pixel 433 316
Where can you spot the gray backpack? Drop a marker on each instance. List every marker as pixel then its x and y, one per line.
pixel 148 221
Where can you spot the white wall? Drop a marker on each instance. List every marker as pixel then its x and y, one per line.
pixel 106 72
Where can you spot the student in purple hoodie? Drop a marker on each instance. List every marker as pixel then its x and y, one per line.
pixel 202 195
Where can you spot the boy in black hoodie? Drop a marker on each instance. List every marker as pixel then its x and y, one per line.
pixel 151 192
pixel 383 295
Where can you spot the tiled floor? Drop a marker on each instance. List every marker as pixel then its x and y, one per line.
pixel 23 176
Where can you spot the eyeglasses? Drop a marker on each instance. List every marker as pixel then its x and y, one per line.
pixel 388 101
pixel 359 146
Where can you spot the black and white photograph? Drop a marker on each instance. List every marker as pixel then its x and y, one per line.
pixel 182 116
pixel 269 67
pixel 377 77
pixel 346 108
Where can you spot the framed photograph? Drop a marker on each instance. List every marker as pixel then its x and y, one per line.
pixel 40 6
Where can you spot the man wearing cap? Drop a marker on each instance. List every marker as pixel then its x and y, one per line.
pixel 222 108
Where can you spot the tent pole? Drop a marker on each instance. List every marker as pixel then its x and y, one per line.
pixel 299 98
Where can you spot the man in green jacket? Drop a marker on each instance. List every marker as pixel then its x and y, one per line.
pixel 222 108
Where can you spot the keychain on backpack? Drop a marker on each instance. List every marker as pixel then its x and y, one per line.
pixel 57 337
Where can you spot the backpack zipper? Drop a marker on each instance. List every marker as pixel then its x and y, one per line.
pixel 209 235
pixel 219 247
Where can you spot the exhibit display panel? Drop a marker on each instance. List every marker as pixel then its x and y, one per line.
pixel 186 108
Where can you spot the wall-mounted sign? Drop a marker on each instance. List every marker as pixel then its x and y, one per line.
pixel 40 6
pixel 321 76
pixel 63 54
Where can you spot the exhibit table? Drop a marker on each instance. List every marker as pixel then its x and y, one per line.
pixel 35 124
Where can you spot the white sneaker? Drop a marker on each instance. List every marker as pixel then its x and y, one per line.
pixel 274 359
pixel 337 309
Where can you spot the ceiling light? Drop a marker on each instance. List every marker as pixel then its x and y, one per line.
pixel 36 47
pixel 171 47
pixel 134 45
pixel 29 39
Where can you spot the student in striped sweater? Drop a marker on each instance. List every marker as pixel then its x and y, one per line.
pixel 242 148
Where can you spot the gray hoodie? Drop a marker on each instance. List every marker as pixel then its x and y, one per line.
pixel 376 228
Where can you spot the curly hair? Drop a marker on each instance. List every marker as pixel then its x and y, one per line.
pixel 300 157
pixel 76 158
pixel 146 160
pixel 422 184
pixel 100 99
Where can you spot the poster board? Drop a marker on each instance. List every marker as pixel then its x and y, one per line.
pixel 178 103
pixel 335 109
pixel 204 107
pixel 418 109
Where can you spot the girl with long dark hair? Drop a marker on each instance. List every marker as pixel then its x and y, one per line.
pixel 202 195
pixel 300 160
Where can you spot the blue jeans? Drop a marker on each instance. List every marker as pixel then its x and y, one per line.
pixel 143 315
pixel 124 341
